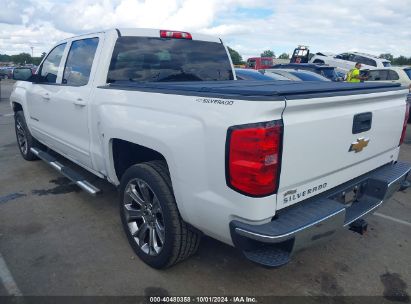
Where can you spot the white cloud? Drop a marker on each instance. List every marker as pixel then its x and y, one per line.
pixel 250 26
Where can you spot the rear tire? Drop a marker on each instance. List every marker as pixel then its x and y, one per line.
pixel 150 217
pixel 24 139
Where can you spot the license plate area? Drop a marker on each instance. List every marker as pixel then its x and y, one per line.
pixel 350 195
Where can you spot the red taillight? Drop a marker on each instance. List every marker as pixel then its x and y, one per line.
pixel 175 34
pixel 254 156
pixel 404 126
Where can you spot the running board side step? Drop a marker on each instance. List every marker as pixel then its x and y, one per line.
pixel 67 172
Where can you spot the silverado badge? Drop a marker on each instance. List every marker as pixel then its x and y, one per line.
pixel 359 145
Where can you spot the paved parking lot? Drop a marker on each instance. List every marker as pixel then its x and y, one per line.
pixel 57 240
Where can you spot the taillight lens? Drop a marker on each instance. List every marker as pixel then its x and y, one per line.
pixel 175 34
pixel 404 126
pixel 254 158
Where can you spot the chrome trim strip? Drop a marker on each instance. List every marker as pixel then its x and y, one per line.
pixel 364 213
pixel 394 181
pixel 87 187
pixel 83 184
pixel 275 237
pixel 56 165
pixel 35 151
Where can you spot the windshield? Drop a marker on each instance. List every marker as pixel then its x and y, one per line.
pixel 275 76
pixel 158 59
pixel 251 63
pixel 251 75
pixel 386 63
pixel 329 73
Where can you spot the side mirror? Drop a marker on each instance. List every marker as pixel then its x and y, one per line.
pixel 23 74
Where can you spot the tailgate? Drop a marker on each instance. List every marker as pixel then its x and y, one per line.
pixel 319 147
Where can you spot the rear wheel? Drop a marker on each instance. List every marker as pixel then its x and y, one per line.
pixel 24 139
pixel 150 218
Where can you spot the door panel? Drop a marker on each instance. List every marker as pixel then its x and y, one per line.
pixel 40 93
pixel 66 115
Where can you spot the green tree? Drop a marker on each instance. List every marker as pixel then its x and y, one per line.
pixel 387 56
pixel 235 56
pixel 284 56
pixel 22 58
pixel 5 58
pixel 268 53
pixel 402 60
pixel 37 60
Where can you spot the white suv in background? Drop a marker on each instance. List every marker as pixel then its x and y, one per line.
pixel 392 74
pixel 346 61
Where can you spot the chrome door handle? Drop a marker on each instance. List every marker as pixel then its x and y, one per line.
pixel 46 96
pixel 80 102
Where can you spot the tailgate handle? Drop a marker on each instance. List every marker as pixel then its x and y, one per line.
pixel 361 122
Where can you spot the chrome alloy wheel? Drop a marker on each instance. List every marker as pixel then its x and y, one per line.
pixel 144 216
pixel 21 137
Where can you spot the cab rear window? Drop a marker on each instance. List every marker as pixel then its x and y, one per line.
pixel 150 59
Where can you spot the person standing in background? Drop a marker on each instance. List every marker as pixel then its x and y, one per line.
pixel 354 74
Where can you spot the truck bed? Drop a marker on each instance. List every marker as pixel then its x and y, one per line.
pixel 253 90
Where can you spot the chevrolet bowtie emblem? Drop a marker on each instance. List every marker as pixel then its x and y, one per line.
pixel 359 144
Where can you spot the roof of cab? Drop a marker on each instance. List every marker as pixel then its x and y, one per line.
pixel 147 32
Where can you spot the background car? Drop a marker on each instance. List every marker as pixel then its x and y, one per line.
pixel 295 74
pixel 323 70
pixel 346 61
pixel 392 74
pixel 257 63
pixel 247 74
pixel 6 73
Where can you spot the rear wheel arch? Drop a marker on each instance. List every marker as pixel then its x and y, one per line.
pixel 125 154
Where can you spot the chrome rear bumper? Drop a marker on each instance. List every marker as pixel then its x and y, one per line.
pixel 318 218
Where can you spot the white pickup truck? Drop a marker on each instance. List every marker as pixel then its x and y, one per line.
pixel 266 166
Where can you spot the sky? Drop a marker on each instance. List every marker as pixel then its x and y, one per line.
pixel 248 26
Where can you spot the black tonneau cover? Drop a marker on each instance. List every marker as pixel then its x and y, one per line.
pixel 256 89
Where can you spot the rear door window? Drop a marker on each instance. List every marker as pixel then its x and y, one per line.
pixel 408 72
pixel 378 75
pixel 343 56
pixel 351 57
pixel 393 75
pixel 374 75
pixel 79 61
pixel 365 60
pixel 267 62
pixel 151 59
pixel 369 61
